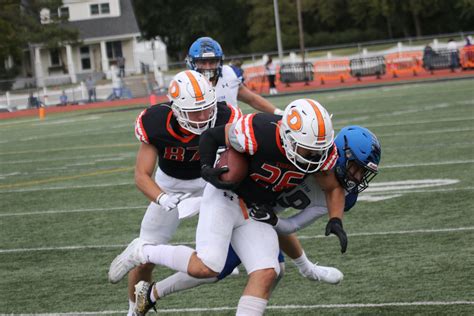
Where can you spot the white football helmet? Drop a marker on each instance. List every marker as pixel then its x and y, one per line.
pixel 307 134
pixel 193 101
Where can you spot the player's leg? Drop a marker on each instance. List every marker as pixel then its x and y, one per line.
pixel 292 247
pixel 257 246
pixel 216 222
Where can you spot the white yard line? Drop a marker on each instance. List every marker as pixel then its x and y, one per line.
pixel 399 232
pixel 127 154
pixel 272 307
pixel 105 209
pixel 69 187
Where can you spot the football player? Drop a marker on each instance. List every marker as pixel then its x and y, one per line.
pixel 170 133
pixel 359 154
pixel 206 56
pixel 282 151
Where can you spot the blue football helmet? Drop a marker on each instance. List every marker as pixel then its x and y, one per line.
pixel 357 145
pixel 205 48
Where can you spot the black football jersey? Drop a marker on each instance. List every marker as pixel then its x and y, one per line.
pixel 178 149
pixel 270 172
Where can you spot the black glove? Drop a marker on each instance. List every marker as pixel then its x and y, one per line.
pixel 211 175
pixel 334 226
pixel 263 213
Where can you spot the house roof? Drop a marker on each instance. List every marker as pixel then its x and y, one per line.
pixel 126 23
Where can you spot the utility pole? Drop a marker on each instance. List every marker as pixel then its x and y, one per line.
pixel 301 36
pixel 278 33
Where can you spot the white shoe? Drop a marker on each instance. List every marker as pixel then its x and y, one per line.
pixel 323 274
pixel 131 257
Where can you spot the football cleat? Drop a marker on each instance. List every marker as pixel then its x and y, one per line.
pixel 131 257
pixel 143 302
pixel 323 274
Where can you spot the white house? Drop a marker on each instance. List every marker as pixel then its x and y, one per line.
pixel 108 30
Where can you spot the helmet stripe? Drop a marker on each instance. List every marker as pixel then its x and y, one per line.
pixel 196 87
pixel 320 120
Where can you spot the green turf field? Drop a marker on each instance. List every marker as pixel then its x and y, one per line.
pixel 69 206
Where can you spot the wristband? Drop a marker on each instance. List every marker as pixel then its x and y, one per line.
pixel 157 201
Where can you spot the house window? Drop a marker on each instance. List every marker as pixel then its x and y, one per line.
pixel 98 9
pixel 64 12
pixel 85 57
pixel 94 9
pixel 114 50
pixel 104 8
pixel 54 57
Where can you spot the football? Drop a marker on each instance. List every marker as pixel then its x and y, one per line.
pixel 237 164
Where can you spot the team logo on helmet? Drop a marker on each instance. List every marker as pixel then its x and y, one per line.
pixel 174 89
pixel 294 120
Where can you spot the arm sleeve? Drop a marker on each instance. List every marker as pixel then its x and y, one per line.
pixel 242 135
pixel 140 131
pixel 296 222
pixel 209 143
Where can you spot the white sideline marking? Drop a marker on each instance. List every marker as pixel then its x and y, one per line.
pixel 273 307
pixel 400 232
pixel 75 211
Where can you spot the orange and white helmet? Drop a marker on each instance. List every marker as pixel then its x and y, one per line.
pixel 193 101
pixel 307 134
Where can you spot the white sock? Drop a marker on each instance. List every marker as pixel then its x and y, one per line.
pixel 303 263
pixel 178 282
pixel 173 257
pixel 152 295
pixel 251 306
pixel 131 308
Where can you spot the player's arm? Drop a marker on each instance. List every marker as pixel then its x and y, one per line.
pixel 335 198
pixel 209 143
pixel 144 167
pixel 256 101
pixel 304 218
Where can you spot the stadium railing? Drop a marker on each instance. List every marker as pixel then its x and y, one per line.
pixel 255 78
pixel 404 63
pixel 296 72
pixel 367 66
pixel 441 59
pixel 334 69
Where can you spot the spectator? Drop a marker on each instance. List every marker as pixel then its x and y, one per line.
pixel 453 54
pixel 121 65
pixel 160 81
pixel 90 85
pixel 468 41
pixel 428 54
pixel 33 101
pixel 270 70
pixel 63 99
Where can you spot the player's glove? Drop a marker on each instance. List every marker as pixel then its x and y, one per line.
pixel 211 175
pixel 167 201
pixel 334 226
pixel 263 213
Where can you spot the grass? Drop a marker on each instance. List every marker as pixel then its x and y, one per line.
pixel 68 181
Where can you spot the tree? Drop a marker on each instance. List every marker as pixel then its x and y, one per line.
pixel 20 26
pixel 181 22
